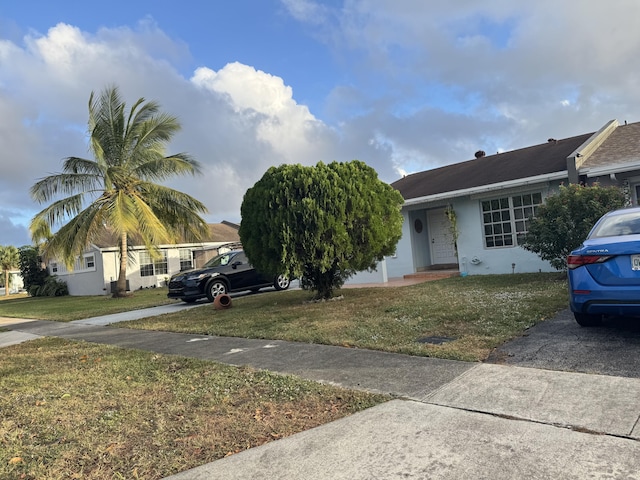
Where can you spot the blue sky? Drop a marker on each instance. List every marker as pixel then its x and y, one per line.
pixel 253 32
pixel 404 85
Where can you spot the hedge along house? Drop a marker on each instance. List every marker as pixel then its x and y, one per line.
pixel 96 271
pixel 472 216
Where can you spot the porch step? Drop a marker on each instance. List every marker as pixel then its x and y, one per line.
pixel 432 275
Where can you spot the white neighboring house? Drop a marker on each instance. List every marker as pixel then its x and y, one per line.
pixel 16 282
pixel 492 198
pixel 96 271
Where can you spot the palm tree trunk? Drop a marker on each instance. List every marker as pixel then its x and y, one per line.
pixel 121 285
pixel 6 283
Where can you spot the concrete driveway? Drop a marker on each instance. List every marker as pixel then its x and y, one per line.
pixel 561 344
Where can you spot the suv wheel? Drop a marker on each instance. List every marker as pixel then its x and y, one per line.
pixel 215 288
pixel 281 282
pixel 587 320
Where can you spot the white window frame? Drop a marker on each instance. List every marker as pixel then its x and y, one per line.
pixel 505 219
pixel 146 263
pixel 161 266
pixel 84 263
pixel 150 267
pixel 183 253
pixel 89 261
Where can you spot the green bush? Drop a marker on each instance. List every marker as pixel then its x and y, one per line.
pixel 322 224
pixel 565 219
pixel 52 287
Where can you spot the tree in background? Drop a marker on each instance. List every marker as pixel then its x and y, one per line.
pixel 33 272
pixel 35 276
pixel 118 190
pixel 9 259
pixel 563 222
pixel 321 224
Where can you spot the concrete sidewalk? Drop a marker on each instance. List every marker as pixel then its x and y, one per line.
pixel 453 420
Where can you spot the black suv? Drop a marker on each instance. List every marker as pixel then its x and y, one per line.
pixel 229 272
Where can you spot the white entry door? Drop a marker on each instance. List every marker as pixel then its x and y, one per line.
pixel 440 237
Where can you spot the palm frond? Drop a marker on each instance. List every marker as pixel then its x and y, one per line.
pixel 151 229
pixel 178 211
pixel 159 128
pixel 63 184
pixel 73 238
pixel 82 165
pixel 141 113
pixel 58 212
pixel 108 126
pixel 165 167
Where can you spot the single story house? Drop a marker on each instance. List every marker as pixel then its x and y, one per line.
pixel 16 282
pixel 468 217
pixel 471 216
pixel 96 271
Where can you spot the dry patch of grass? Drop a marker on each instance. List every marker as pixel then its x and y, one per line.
pixel 80 410
pixel 478 313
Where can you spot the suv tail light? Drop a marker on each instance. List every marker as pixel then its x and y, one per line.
pixel 575 261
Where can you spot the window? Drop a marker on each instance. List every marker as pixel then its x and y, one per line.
pixel 84 263
pixel 160 265
pixel 146 265
pixel 149 267
pixel 186 259
pixel 506 220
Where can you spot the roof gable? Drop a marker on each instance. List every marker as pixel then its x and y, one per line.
pixel 543 159
pixel 622 147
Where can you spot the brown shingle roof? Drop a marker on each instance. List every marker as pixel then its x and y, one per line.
pixel 550 157
pixel 622 146
pixel 223 232
pixel 218 232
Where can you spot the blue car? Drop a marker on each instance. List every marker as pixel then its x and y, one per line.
pixel 604 273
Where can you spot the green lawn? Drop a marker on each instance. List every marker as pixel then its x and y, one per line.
pixel 65 309
pixel 475 313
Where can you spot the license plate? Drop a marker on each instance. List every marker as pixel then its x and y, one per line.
pixel 635 262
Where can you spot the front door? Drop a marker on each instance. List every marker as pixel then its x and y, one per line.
pixel 441 239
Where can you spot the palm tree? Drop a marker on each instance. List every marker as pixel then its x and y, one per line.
pixel 9 259
pixel 117 190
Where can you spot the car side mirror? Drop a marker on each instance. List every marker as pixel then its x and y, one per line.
pixel 234 265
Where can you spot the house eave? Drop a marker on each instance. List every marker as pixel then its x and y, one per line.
pixel 610 169
pixel 521 182
pixel 199 245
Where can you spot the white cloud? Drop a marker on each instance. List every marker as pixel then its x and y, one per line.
pixel 502 64
pixel 416 85
pixel 307 10
pixel 288 128
pixel 237 121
